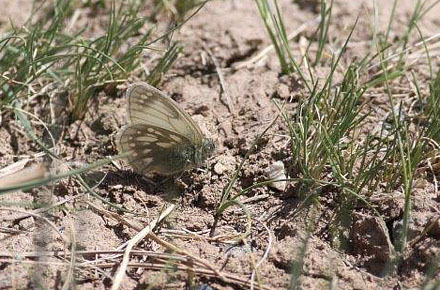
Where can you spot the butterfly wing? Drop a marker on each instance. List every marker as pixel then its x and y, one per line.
pixel 147 105
pixel 153 149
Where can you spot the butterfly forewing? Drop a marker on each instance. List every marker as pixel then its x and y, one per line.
pixel 147 105
pixel 154 149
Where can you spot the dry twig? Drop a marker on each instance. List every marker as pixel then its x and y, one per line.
pixel 133 242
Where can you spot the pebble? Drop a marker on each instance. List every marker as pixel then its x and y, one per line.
pixel 276 171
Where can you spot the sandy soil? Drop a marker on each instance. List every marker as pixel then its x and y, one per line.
pixel 232 32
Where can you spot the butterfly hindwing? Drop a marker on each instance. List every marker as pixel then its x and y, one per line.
pixel 155 149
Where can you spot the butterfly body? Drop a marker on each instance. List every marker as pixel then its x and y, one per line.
pixel 161 138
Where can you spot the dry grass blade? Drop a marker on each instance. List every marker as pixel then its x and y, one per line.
pixel 34 172
pixel 42 209
pixel 72 264
pixel 14 167
pixel 153 266
pixel 160 241
pixel 264 257
pixel 255 59
pixel 52 225
pixel 115 216
pixel 185 253
pixel 133 242
pixel 229 102
pixel 63 254
pixel 403 51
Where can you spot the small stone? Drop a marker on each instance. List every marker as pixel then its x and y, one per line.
pixel 219 168
pixel 276 172
pixel 225 163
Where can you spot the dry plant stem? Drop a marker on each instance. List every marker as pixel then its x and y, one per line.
pixel 35 172
pixel 230 277
pixel 397 54
pixel 11 231
pixel 427 228
pixel 225 239
pixel 229 102
pixel 62 254
pixel 70 272
pixel 251 261
pixel 14 167
pixel 185 253
pixel 152 266
pixel 43 209
pixel 252 61
pixel 133 242
pixel 158 240
pixel 266 253
pixel 190 272
pixel 115 216
pixel 255 198
pixel 158 256
pixel 49 132
pixel 52 225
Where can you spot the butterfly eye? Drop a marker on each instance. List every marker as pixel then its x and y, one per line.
pixel 209 146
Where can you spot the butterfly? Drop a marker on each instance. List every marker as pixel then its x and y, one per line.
pixel 160 138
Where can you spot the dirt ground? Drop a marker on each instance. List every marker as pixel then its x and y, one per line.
pixel 230 32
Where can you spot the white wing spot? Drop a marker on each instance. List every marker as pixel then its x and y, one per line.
pixel 146 151
pixel 150 130
pixel 164 144
pixel 148 160
pixel 176 138
pixel 132 145
pixel 148 138
pixel 138 132
pixel 130 138
pixel 134 154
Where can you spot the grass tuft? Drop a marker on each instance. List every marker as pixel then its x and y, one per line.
pixel 46 53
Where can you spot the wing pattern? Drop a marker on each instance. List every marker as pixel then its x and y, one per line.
pixel 147 105
pixel 154 149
